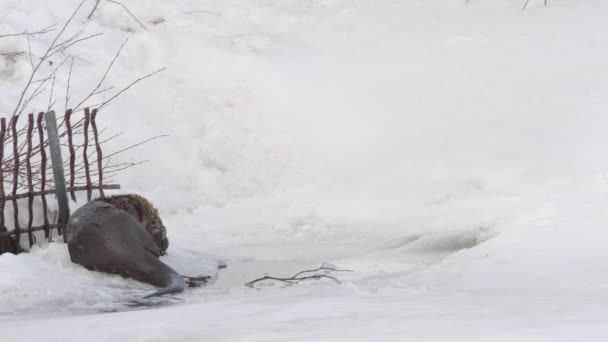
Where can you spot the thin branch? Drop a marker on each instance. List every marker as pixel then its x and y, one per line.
pixel 67 90
pixel 131 14
pixel 292 281
pixel 51 96
pixel 66 45
pixel 103 104
pixel 157 21
pixel 103 77
pixel 135 145
pixel 321 268
pixel 527 1
pixel 94 9
pixel 44 58
pixel 300 276
pixel 26 33
pixel 40 85
pixel 110 138
pixel 29 51
pixel 103 90
pixel 68 40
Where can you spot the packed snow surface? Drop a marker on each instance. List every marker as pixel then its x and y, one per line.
pixel 451 153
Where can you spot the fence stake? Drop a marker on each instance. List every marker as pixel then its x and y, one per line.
pixel 85 156
pixel 43 173
pixel 57 162
pixel 99 153
pixel 30 186
pixel 2 198
pixel 68 125
pixel 15 177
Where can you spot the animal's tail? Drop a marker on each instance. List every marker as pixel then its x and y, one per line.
pixel 176 284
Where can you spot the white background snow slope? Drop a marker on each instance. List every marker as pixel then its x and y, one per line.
pixel 452 154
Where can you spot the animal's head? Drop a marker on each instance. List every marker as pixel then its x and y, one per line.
pixel 145 213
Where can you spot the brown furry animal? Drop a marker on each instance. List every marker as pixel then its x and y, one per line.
pixel 145 213
pixel 104 238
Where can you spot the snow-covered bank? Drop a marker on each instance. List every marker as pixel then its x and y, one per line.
pixel 450 153
pixel 45 282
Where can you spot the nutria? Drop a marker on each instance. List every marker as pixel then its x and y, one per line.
pixel 103 237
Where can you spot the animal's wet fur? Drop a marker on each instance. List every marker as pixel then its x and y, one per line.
pixel 103 237
pixel 145 213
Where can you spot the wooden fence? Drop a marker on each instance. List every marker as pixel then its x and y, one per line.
pixel 26 165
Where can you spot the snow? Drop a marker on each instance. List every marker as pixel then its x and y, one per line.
pixel 450 153
pixel 45 281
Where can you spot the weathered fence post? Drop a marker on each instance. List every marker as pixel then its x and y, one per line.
pixel 57 162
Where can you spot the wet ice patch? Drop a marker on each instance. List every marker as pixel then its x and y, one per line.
pixel 192 264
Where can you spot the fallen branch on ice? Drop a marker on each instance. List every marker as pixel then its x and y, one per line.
pixel 303 275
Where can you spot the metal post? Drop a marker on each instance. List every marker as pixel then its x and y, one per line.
pixel 57 162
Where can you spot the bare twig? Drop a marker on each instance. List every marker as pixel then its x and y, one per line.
pixel 302 275
pixel 26 33
pixel 42 82
pixel 321 268
pixel 29 51
pixel 103 104
pixel 44 58
pixel 103 77
pixel 66 45
pixel 67 90
pixel 103 90
pixel 94 9
pixel 135 145
pixel 131 14
pixel 157 21
pixel 66 41
pixel 527 1
pixel 51 102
